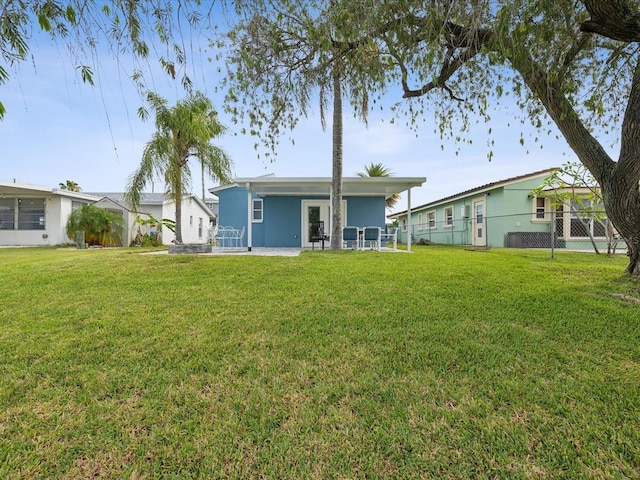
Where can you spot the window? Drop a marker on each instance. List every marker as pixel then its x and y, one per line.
pixel 583 220
pixel 420 226
pixel 7 213
pixel 31 214
pixel 541 206
pixel 431 219
pixel 448 217
pixel 560 221
pixel 404 224
pixel 191 220
pixel 256 210
pixel 200 227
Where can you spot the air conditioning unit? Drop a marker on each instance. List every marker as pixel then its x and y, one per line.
pixel 464 211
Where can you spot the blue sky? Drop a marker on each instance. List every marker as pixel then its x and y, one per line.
pixel 57 128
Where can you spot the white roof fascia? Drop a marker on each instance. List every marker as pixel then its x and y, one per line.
pixel 15 188
pixel 351 186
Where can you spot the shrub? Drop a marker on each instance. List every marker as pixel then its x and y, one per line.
pixel 100 227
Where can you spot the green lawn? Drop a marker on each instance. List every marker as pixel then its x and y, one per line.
pixel 443 363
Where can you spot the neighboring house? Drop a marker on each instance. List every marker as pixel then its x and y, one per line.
pixel 32 215
pixel 498 214
pixel 213 205
pixel 278 212
pixel 195 215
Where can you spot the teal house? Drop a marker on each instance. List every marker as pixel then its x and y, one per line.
pixel 280 212
pixel 498 214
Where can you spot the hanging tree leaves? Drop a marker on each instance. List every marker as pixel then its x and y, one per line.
pixel 568 66
pixel 147 31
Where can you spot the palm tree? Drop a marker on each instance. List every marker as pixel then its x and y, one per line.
pixel 379 170
pixel 183 131
pixel 70 185
pixel 100 227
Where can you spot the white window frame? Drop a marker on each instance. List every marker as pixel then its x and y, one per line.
pixel 546 216
pixel 403 222
pixel 200 227
pixel 446 217
pixel 432 223
pixel 254 210
pixel 420 226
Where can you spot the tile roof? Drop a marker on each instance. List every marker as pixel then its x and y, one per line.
pixel 487 186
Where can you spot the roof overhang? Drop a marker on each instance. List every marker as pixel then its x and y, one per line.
pixel 305 186
pixel 16 189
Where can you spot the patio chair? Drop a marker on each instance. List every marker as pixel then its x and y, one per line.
pixel 224 237
pixel 390 236
pixel 350 237
pixel 372 236
pixel 238 237
pixel 212 235
pixel 317 234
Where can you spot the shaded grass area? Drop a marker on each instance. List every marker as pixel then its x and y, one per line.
pixel 442 363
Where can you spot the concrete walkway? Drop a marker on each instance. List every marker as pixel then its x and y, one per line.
pixel 255 251
pixel 264 251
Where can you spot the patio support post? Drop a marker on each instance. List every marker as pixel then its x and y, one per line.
pixel 249 217
pixel 409 227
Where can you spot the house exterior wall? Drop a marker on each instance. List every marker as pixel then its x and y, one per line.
pixel 57 210
pixel 366 212
pixel 195 221
pixel 519 210
pixel 233 207
pixel 281 225
pixel 508 208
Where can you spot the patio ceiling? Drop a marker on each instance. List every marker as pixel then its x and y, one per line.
pixel 351 186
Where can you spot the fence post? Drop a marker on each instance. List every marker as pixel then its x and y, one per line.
pixel 486 231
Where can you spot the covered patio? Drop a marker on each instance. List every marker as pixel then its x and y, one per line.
pixel 313 197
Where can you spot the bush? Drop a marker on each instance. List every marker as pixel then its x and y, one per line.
pixel 424 241
pixel 146 240
pixel 99 226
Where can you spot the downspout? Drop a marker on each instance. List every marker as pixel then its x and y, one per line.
pixel 249 215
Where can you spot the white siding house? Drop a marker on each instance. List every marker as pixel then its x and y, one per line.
pixel 195 215
pixel 36 216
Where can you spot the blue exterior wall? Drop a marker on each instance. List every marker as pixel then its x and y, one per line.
pixel 366 211
pixel 233 207
pixel 282 222
pixel 282 215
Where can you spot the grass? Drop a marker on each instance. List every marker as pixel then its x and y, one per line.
pixel 443 363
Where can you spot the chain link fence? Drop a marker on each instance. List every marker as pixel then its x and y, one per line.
pixel 587 231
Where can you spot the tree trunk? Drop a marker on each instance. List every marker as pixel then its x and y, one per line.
pixel 623 210
pixel 616 19
pixel 336 179
pixel 619 180
pixel 202 178
pixel 178 201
